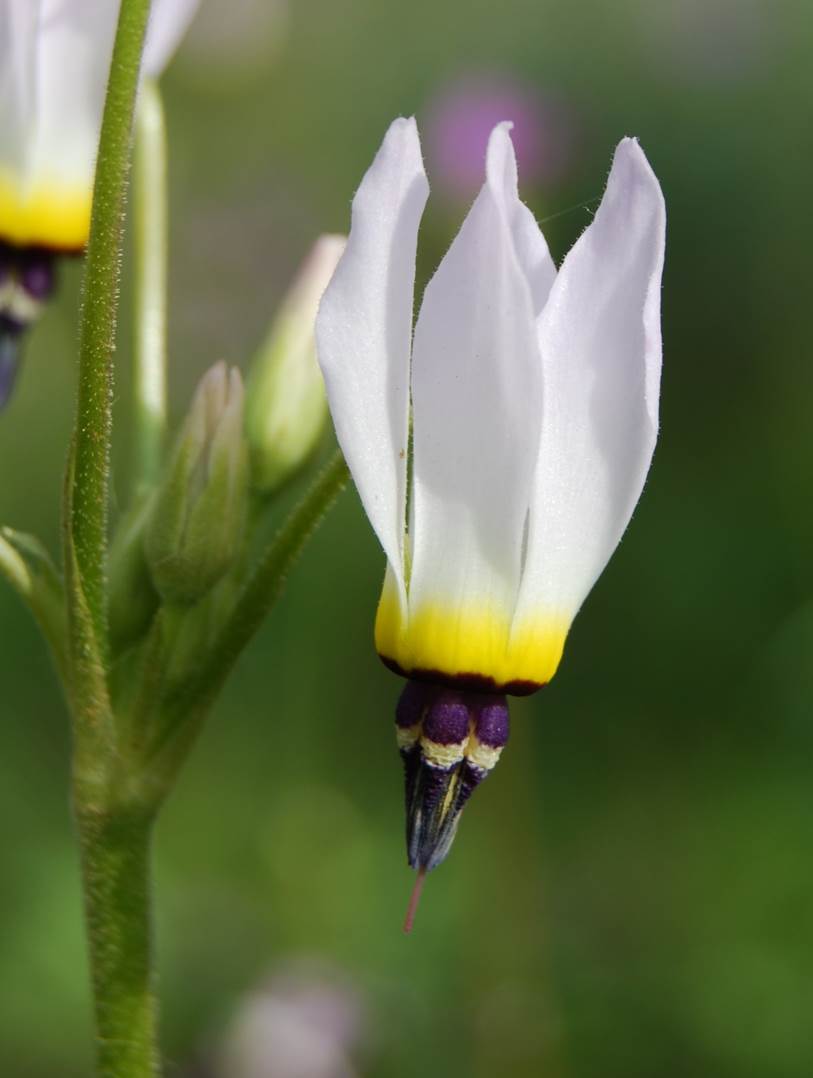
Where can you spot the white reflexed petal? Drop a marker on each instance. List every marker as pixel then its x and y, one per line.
pixel 534 256
pixel 19 20
pixel 600 340
pixel 68 76
pixel 73 59
pixel 529 243
pixel 476 391
pixel 364 331
pixel 169 21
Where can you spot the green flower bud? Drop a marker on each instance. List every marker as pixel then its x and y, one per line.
pixel 197 520
pixel 286 408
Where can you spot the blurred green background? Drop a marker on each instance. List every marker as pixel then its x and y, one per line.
pixel 631 894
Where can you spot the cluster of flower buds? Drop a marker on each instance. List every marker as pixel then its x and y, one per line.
pixel 183 537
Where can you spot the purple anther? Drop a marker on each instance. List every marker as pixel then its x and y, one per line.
pixel 491 722
pixel 37 275
pixel 412 703
pixel 448 719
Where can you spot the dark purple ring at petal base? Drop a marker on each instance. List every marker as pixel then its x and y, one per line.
pixel 465 682
pixel 50 250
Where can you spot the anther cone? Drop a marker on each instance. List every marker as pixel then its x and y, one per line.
pixel 449 740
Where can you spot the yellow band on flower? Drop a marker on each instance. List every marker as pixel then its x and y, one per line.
pixel 469 642
pixel 44 215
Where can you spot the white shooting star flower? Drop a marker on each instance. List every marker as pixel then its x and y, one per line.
pixel 534 417
pixel 54 63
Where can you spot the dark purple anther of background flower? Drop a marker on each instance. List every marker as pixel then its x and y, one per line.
pixel 37 274
pixel 27 276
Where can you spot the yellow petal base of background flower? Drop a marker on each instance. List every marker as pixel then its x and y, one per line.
pixel 44 215
pixel 469 643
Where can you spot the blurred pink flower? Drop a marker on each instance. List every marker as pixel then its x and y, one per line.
pixel 462 116
pixel 302 1023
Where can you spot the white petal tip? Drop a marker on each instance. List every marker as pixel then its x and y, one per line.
pixel 501 161
pixel 402 143
pixel 629 155
pixel 500 138
pixel 633 180
pixel 402 127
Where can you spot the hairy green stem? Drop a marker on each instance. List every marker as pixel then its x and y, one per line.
pixel 115 850
pixel 114 838
pixel 97 330
pixel 150 250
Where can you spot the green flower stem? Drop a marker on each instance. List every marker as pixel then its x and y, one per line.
pixel 116 873
pixel 88 520
pixel 259 594
pixel 114 836
pixel 150 250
